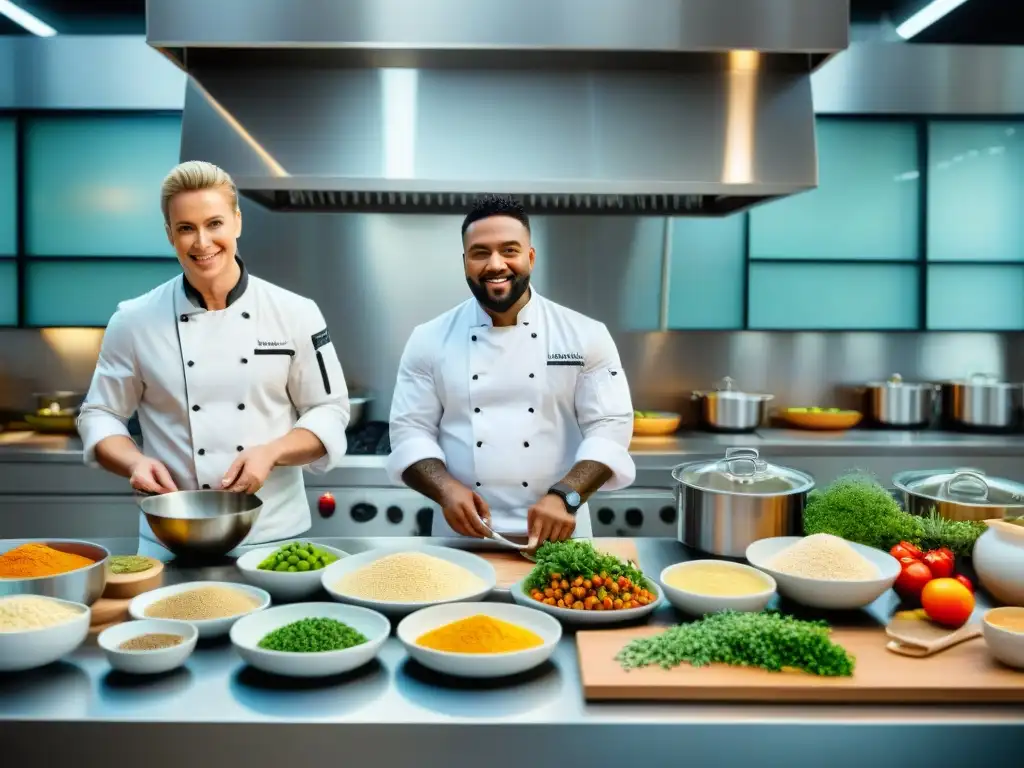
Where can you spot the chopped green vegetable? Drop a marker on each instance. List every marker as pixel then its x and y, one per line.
pixel 857 508
pixel 768 640
pixel 577 557
pixel 297 556
pixel 129 564
pixel 312 636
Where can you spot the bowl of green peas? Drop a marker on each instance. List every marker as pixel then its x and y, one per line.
pixel 288 571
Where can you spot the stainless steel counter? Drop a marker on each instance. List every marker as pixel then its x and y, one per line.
pixel 217 710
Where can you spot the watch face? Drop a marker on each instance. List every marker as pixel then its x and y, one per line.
pixel 573 498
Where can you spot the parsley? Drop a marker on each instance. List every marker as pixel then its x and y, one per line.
pixel 769 640
pixel 576 557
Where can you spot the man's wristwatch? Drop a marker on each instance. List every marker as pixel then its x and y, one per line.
pixel 573 501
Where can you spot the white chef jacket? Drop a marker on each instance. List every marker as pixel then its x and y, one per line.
pixel 510 410
pixel 209 384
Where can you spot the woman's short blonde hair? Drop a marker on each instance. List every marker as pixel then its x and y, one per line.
pixel 195 175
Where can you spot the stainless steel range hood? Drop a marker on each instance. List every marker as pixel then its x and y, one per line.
pixel 688 107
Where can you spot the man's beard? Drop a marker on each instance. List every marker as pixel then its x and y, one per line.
pixel 517 287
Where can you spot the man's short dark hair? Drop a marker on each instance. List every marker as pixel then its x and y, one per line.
pixel 496 205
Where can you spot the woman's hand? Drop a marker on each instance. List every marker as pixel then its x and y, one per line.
pixel 150 476
pixel 250 470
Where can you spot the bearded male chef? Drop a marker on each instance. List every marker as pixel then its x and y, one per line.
pixel 235 380
pixel 510 410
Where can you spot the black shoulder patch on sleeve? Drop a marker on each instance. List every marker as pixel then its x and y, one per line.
pixel 321 339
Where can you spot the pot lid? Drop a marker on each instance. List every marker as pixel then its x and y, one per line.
pixel 896 381
pixel 984 380
pixel 726 388
pixel 961 486
pixel 742 471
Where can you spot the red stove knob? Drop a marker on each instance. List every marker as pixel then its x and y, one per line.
pixel 326 504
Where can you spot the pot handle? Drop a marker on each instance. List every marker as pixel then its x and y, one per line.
pixel 742 462
pixel 970 478
pixel 746 453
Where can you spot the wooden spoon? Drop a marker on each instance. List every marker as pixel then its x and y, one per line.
pixel 912 634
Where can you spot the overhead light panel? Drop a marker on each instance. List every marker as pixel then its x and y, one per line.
pixel 927 16
pixel 25 19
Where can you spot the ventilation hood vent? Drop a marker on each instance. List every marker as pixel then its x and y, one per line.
pixel 682 107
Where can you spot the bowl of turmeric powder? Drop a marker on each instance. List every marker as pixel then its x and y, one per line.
pixel 67 569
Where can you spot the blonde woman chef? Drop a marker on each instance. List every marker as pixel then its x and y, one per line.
pixel 510 410
pixel 236 381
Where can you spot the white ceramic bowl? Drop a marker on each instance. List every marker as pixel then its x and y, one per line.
pixel 571 616
pixel 148 662
pixel 697 604
pixel 283 586
pixel 31 648
pixel 247 633
pixel 479 665
pixel 823 593
pixel 472 563
pixel 207 627
pixel 1005 645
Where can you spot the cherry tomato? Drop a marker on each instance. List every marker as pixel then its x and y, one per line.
pixel 965 581
pixel 947 601
pixel 913 550
pixel 940 563
pixel 899 552
pixel 914 575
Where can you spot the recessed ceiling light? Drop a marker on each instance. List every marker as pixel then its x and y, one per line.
pixel 927 16
pixel 25 19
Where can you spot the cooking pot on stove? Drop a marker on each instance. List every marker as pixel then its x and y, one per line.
pixel 982 403
pixel 959 494
pixel 899 403
pixel 724 505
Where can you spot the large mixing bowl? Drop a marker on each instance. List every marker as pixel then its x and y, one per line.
pixel 196 524
pixel 84 585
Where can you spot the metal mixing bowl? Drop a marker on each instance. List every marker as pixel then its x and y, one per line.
pixel 84 585
pixel 201 523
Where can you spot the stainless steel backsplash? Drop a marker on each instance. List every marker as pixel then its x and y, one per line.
pixel 376 276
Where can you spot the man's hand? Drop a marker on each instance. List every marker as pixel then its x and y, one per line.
pixel 466 511
pixel 250 470
pixel 548 520
pixel 150 476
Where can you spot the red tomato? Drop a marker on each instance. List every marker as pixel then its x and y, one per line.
pixel 914 575
pixel 965 581
pixel 911 549
pixel 947 602
pixel 940 563
pixel 899 552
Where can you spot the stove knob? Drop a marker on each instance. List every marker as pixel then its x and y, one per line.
pixel 667 514
pixel 395 514
pixel 363 513
pixel 605 515
pixel 325 505
pixel 634 517
pixel 424 521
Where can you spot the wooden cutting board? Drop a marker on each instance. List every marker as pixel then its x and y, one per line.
pixel 965 673
pixel 511 567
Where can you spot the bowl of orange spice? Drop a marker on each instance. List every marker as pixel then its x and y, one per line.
pixel 67 569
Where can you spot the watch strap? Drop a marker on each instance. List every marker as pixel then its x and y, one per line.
pixel 569 495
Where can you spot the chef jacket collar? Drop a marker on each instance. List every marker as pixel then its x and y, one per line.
pixel 196 298
pixel 526 315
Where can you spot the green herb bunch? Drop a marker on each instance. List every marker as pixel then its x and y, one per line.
pixel 857 508
pixel 312 636
pixel 577 557
pixel 768 640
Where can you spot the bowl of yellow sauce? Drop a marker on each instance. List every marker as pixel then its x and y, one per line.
pixel 699 587
pixel 1003 630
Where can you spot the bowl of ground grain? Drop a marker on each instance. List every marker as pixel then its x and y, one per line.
pixel 480 640
pixel 310 639
pixel 67 569
pixel 398 582
pixel 825 571
pixel 36 631
pixel 148 647
pixel 211 606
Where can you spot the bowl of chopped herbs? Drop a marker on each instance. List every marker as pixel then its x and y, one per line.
pixel 579 584
pixel 310 639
